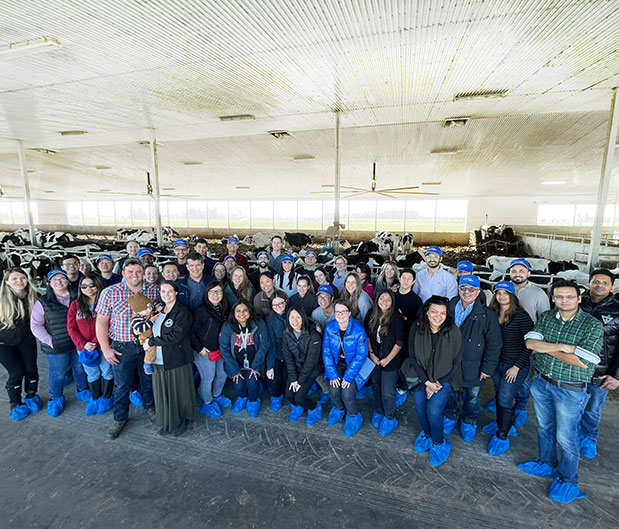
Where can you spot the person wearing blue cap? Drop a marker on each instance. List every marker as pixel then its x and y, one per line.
pixel 481 348
pixel 513 368
pixel 286 280
pixel 310 261
pixel 435 280
pixel 146 257
pixel 466 268
pixel 181 249
pixel 105 265
pixel 232 246
pixel 323 314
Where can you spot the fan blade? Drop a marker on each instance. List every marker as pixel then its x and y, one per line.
pixel 398 188
pixel 344 187
pixel 356 194
pixel 414 193
pixel 384 194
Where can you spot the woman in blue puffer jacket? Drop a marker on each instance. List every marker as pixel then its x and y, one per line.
pixel 344 350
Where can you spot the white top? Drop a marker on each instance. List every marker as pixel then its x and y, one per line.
pixel 442 283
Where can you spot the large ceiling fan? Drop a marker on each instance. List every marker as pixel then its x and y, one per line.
pixel 387 192
pixel 148 193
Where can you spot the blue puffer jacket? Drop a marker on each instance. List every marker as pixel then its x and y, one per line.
pixel 355 349
pixel 277 325
pixel 232 364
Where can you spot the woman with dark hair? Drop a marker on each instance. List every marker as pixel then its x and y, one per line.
pixel 173 387
pixel 435 359
pixel 360 301
pixel 365 274
pixel 302 347
pixel 286 279
pixel 208 319
pixel 386 332
pixel 344 350
pixel 220 273
pixel 513 368
pixel 244 342
pixel 276 369
pixel 322 277
pixel 18 348
pixel 81 320
pixel 305 298
pixel 151 274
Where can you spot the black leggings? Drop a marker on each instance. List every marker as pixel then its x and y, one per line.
pixel 300 398
pixel 280 377
pixel 21 363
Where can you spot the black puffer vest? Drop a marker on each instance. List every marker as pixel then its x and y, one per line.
pixel 56 324
pixel 607 311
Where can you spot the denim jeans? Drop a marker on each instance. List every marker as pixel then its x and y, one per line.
pixel 470 404
pixel 430 411
pixel 506 391
pixel 104 369
pixel 344 398
pixel 132 358
pixel 558 413
pixel 524 393
pixel 212 377
pixel 247 387
pixel 593 411
pixel 383 385
pixel 58 366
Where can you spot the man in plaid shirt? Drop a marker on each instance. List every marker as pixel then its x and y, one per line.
pixel 124 353
pixel 567 342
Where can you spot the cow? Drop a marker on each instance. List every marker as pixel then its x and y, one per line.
pixel 261 240
pixel 297 240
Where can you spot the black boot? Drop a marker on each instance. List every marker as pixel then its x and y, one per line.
pixel 14 392
pixel 95 389
pixel 31 387
pixel 108 388
pixel 504 419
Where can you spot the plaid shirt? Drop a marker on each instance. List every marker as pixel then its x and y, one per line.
pixel 582 330
pixel 114 303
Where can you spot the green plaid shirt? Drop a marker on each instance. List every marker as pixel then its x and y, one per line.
pixel 582 330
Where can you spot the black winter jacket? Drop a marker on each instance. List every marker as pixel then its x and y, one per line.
pixel 606 311
pixel 303 356
pixel 20 333
pixel 396 335
pixel 205 329
pixel 174 339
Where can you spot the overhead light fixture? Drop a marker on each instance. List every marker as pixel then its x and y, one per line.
pixel 102 167
pixel 279 134
pixel 28 47
pixel 455 122
pixel 237 117
pixel 241 187
pixel 72 132
pixel 44 151
pixel 553 182
pixel 303 157
pixel 481 94
pixel 430 183
pixel 48 191
pixel 168 189
pixel 444 151
pixel 192 163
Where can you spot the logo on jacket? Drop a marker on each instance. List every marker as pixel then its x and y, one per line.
pixel 168 323
pixel 607 319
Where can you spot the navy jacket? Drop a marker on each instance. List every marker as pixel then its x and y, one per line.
pixel 174 337
pixel 355 349
pixel 232 364
pixel 607 311
pixel 482 341
pixel 184 292
pixel 276 325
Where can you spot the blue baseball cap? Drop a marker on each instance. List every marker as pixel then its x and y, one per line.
pixel 326 289
pixel 261 252
pixel 287 258
pixel 229 257
pixel 180 242
pixel 55 271
pixel 505 285
pixel 470 280
pixel 105 256
pixel 233 239
pixel 434 249
pixel 465 266
pixel 522 262
pixel 144 251
pixel 312 252
pixel 89 358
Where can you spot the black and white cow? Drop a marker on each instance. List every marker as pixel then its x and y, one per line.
pixel 297 240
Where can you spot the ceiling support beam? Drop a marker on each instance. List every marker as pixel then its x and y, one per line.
pixel 336 189
pixel 607 166
pixel 26 185
pixel 156 196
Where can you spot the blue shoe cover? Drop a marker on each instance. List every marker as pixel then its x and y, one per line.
pixel 376 419
pixel 315 387
pixel 83 395
pixel 224 402
pixel 335 416
pixel 387 426
pixel 55 406
pixel 92 407
pixel 588 447
pixel 34 404
pixel 276 403
pixel 324 398
pixel 520 417
pixel 352 424
pixel 239 404
pixel 210 410
pixel 68 379
pixel 497 446
pixel 21 412
pixel 104 405
pixel 536 467
pixel 422 443
pixel 295 413
pixel 491 406
pixel 313 416
pixel 468 431
pixel 136 399
pixel 364 392
pixel 253 408
pixel 148 368
pixel 449 425
pixel 491 428
pixel 439 453
pixel 400 397
pixel 563 492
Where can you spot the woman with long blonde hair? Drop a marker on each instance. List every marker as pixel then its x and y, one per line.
pixel 238 287
pixel 388 279
pixel 353 292
pixel 18 347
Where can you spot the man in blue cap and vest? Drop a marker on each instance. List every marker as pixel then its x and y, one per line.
pixel 435 280
pixel 233 250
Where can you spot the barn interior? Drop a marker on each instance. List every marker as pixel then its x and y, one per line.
pixel 433 118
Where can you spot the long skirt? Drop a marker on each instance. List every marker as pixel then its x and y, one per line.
pixel 175 396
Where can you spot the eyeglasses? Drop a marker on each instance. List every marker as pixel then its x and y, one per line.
pixel 341 312
pixel 468 289
pixel 280 304
pixel 89 285
pixel 59 280
pixel 218 292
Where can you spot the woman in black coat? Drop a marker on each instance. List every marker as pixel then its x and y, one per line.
pixel 302 350
pixel 173 388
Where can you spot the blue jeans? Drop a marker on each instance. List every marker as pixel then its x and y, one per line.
pixel 558 413
pixel 104 369
pixel 58 366
pixel 524 393
pixel 506 391
pixel 593 411
pixel 383 385
pixel 132 358
pixel 247 387
pixel 212 377
pixel 470 404
pixel 430 411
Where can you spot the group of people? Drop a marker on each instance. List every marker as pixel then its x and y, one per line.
pixel 168 338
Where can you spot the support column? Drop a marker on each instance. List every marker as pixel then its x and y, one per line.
pixel 26 185
pixel 602 198
pixel 336 192
pixel 156 197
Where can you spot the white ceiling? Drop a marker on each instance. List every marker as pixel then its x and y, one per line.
pixel 392 68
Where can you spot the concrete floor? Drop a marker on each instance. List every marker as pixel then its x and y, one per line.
pixel 267 473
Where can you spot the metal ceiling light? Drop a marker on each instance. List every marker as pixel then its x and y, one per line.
pixel 481 94
pixel 28 47
pixel 553 182
pixel 73 132
pixel 303 157
pixel 444 151
pixel 279 134
pixel 237 117
pixel 455 122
